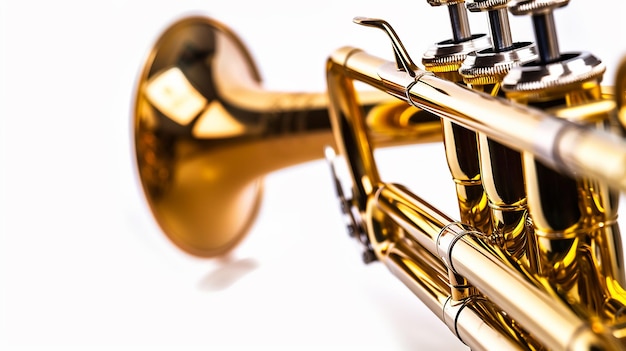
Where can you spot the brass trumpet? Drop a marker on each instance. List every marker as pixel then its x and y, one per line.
pixel 533 142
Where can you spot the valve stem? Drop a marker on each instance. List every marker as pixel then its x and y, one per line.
pixel 458 19
pixel 498 19
pixel 459 22
pixel 545 37
pixel 542 15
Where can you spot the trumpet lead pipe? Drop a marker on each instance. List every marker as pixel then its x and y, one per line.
pixel 560 144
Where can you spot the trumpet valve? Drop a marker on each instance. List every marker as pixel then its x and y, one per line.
pixel 543 24
pixel 554 71
pixel 490 66
pixel 458 18
pixel 498 21
pixel 445 57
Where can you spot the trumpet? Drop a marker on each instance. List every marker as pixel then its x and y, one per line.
pixel 533 142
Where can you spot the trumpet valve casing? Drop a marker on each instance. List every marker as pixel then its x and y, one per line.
pixel 444 59
pixel 582 236
pixel 501 167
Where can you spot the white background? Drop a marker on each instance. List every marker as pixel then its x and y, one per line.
pixel 82 264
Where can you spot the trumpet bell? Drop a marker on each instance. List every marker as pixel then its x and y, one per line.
pixel 206 132
pixel 182 136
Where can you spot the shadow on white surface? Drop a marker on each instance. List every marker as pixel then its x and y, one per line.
pixel 229 271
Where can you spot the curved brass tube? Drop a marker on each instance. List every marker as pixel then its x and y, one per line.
pixel 206 132
pixel 550 322
pixel 405 231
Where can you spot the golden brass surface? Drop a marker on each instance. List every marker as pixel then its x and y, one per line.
pixel 206 133
pixel 444 59
pixel 579 248
pixel 501 166
pixel 535 261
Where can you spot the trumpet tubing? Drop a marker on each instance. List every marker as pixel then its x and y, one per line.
pixel 206 133
pixel 533 142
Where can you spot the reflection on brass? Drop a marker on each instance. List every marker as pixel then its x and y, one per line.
pixel 206 132
pixel 535 147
